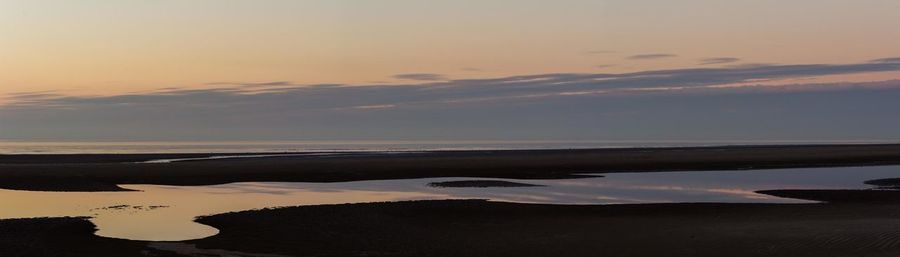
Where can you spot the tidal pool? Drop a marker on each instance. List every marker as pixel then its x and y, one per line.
pixel 166 213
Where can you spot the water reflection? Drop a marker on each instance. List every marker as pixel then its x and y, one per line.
pixel 166 213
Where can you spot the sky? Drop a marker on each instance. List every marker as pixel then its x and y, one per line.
pixel 447 70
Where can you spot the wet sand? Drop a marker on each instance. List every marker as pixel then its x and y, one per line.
pixel 477 228
pixel 70 237
pixel 854 223
pixel 105 172
pixel 480 228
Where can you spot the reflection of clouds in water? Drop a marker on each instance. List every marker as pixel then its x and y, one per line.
pixel 743 193
pixel 719 186
pixel 188 202
pixel 619 199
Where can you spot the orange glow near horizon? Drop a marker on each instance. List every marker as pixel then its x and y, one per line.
pixel 97 47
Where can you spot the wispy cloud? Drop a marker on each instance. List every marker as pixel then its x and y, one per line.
pixel 372 107
pixel 651 56
pixel 421 76
pixel 718 60
pixel 750 65
pixel 886 60
pixel 336 96
pixel 36 95
pixel 508 103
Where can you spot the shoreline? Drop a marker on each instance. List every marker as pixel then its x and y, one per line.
pixel 26 158
pixel 482 228
pixel 90 173
pixel 847 223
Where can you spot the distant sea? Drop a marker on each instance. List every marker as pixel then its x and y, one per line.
pixel 24 147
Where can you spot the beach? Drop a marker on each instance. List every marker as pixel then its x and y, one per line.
pixel 104 172
pixel 323 128
pixel 478 228
pixel 847 222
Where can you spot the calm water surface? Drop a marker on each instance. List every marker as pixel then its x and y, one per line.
pixel 25 147
pixel 166 213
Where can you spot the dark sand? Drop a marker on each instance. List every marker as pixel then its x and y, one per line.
pixel 888 183
pixel 105 172
pixel 856 223
pixel 461 228
pixel 477 228
pixel 480 183
pixel 63 237
pixel 839 196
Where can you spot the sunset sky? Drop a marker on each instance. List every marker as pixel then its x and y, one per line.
pixel 83 70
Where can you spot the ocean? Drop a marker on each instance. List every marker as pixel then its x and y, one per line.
pixel 44 147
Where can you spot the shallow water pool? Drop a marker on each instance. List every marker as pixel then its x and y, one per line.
pixel 166 213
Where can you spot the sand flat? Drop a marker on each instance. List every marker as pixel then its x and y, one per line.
pixel 104 172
